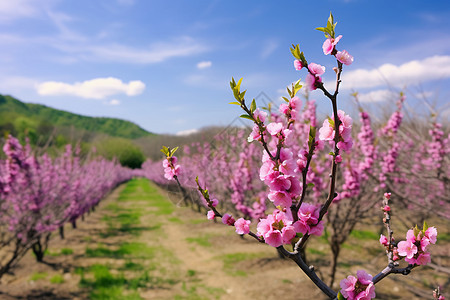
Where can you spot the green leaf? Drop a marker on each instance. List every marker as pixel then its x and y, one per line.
pixel 331 121
pixel 339 296
pixel 238 85
pixel 289 92
pixel 323 29
pixel 173 151
pixel 303 59
pixel 332 153
pixel 312 131
pixel 237 103
pixel 247 117
pixel 253 106
pixel 232 83
pixel 425 226
pixel 311 185
pixel 165 150
pixel 295 50
pixel 331 19
pixel 297 87
pixel 285 99
pixel 416 231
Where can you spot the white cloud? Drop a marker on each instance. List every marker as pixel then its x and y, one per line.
pixel 154 53
pixel 114 102
pixel 187 132
pixel 98 88
pixel 10 10
pixel 412 72
pixel 377 96
pixel 268 48
pixel 204 64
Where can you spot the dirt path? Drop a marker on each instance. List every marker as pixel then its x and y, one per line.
pixel 139 245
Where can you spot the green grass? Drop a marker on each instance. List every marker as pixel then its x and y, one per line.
pixel 175 220
pixel 132 266
pixel 314 251
pixel 200 240
pixel 444 237
pixel 364 235
pixel 135 249
pixel 199 221
pixel 105 285
pixel 231 262
pixel 38 276
pixel 66 251
pixel 195 291
pixel 58 279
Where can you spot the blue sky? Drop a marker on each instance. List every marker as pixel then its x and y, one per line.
pixel 166 65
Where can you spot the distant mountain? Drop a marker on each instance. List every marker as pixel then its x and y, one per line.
pixel 16 116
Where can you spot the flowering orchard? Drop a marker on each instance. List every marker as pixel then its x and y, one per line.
pixel 38 195
pixel 298 173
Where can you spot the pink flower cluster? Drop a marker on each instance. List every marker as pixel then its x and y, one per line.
pixel 308 217
pixel 327 132
pixel 259 116
pixel 276 229
pixel 365 140
pixel 415 247
pixel 342 56
pixel 171 168
pixel 313 78
pixel 291 110
pixel 281 178
pixel 358 288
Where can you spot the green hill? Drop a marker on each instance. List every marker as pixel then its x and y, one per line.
pixel 15 116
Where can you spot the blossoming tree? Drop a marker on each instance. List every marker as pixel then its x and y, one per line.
pixel 286 167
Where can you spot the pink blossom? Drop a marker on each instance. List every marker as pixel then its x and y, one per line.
pixel 344 57
pixel 289 167
pixel 360 288
pixel 308 216
pixel 260 115
pixel 298 65
pixel 254 135
pixel 284 108
pixel 387 208
pixel 316 69
pixel 277 181
pixel 280 198
pixel 276 229
pixel 422 259
pixel 227 219
pixel 274 128
pixel 346 146
pixel 311 81
pixel 329 44
pixel 384 240
pixel 431 234
pixel 295 103
pixel 407 248
pixel 387 195
pixel 214 202
pixel 410 237
pixel 210 215
pixel 338 159
pixel 326 132
pixel 242 226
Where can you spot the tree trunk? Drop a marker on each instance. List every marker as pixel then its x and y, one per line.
pixel 335 249
pixel 61 232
